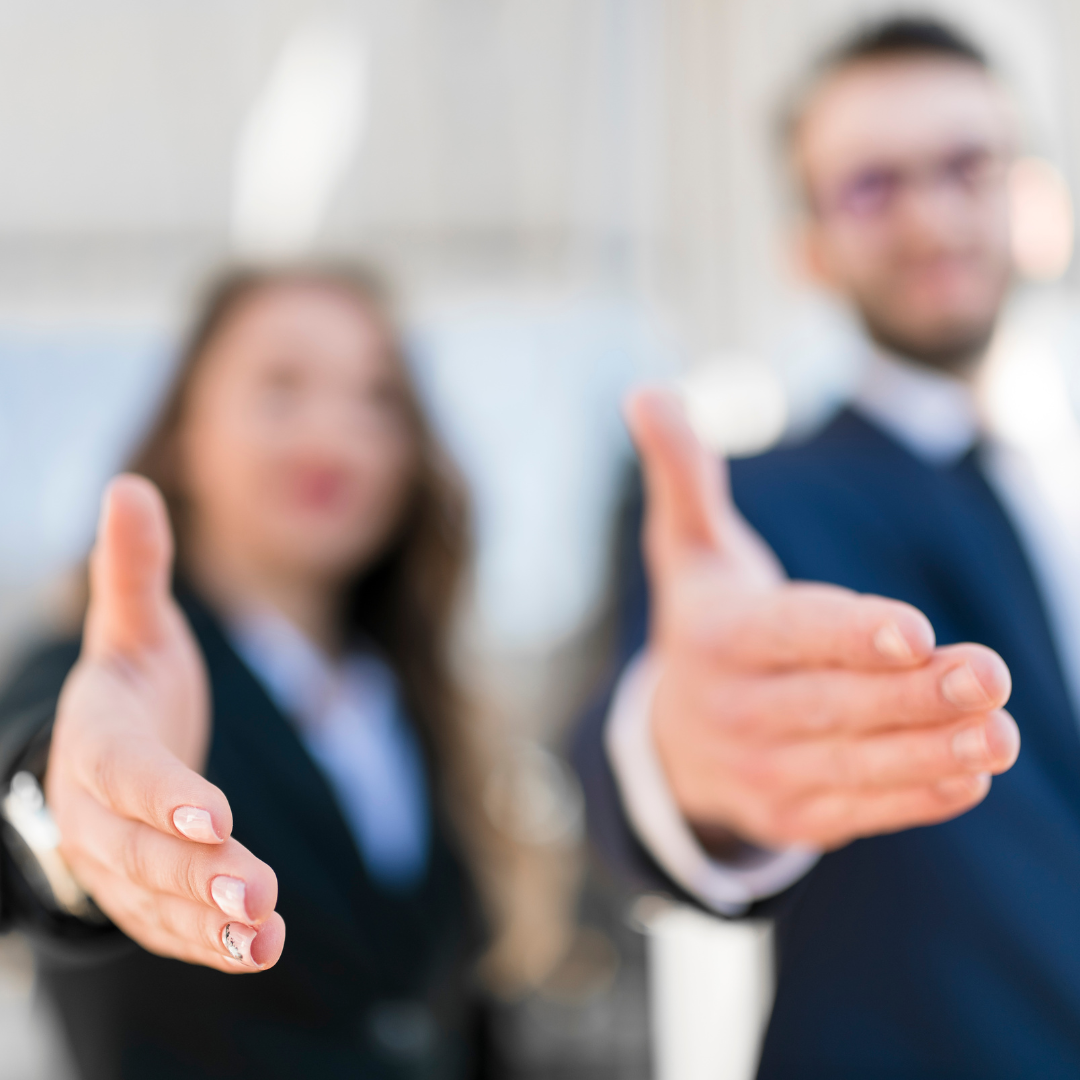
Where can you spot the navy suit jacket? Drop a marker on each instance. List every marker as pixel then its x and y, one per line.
pixel 947 951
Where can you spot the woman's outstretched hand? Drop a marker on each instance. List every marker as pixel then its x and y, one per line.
pixel 143 832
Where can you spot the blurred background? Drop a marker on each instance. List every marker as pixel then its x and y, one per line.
pixel 570 196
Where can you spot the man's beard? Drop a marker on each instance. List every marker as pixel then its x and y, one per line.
pixel 954 353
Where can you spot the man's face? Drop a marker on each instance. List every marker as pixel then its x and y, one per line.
pixel 904 162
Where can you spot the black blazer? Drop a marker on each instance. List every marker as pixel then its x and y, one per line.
pixel 948 951
pixel 370 984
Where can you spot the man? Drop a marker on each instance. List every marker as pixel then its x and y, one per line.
pixel 947 951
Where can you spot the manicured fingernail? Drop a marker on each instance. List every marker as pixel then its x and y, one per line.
pixel 229 894
pixel 892 644
pixel 964 787
pixel 994 743
pixel 1002 737
pixel 195 824
pixel 961 687
pixel 970 748
pixel 237 938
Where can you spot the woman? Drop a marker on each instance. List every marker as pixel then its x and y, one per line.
pixel 319 538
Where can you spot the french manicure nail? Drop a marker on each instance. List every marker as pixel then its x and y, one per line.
pixel 237 938
pixel 961 687
pixel 195 824
pixel 891 643
pixel 229 895
pixel 969 747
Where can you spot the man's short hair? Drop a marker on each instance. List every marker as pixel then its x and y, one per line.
pixel 892 38
pixel 902 37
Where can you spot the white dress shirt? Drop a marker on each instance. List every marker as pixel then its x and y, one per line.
pixel 349 718
pixel 938 418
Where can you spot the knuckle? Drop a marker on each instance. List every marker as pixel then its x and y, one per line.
pixel 150 912
pixel 168 920
pixel 736 707
pixel 820 591
pixel 105 778
pixel 189 877
pixel 148 803
pixel 815 710
pixel 717 634
pixel 823 698
pixel 756 771
pixel 133 856
pixel 133 910
pixel 845 767
pixel 210 928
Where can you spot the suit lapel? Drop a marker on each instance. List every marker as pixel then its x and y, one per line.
pixel 993 576
pixel 978 569
pixel 257 749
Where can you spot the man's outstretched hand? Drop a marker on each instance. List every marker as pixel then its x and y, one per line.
pixel 143 832
pixel 796 713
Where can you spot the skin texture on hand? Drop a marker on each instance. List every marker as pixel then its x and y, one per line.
pixel 789 712
pixel 143 832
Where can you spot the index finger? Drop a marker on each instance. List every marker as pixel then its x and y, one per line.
pixel 802 625
pixel 959 681
pixel 225 877
pixel 137 777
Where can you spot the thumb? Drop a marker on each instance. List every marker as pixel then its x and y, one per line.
pixel 685 486
pixel 689 509
pixel 129 569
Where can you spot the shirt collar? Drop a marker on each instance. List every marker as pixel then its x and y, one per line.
pixel 932 414
pixel 305 683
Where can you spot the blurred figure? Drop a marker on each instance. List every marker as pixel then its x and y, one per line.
pixel 932 952
pixel 302 669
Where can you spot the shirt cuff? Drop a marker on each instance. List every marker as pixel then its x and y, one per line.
pixel 726 888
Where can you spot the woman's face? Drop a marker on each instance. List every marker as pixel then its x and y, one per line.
pixel 296 447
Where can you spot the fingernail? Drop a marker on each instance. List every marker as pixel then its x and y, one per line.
pixel 996 741
pixel 961 687
pixel 970 748
pixel 1002 737
pixel 892 644
pixel 229 894
pixel 195 824
pixel 237 938
pixel 963 787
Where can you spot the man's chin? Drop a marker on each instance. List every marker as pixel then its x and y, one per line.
pixel 954 349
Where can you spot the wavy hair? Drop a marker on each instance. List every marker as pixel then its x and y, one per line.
pixel 403 601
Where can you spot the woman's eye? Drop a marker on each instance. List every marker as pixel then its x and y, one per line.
pixel 279 390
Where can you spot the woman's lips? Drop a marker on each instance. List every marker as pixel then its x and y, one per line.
pixel 318 489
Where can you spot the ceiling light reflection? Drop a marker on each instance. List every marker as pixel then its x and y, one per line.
pixel 736 405
pixel 299 139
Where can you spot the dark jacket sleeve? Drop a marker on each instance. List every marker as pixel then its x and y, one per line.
pixel 610 832
pixel 27 710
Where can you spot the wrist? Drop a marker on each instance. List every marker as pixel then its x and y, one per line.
pixel 32 838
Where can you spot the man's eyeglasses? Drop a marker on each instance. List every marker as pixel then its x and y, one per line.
pixel 872 193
